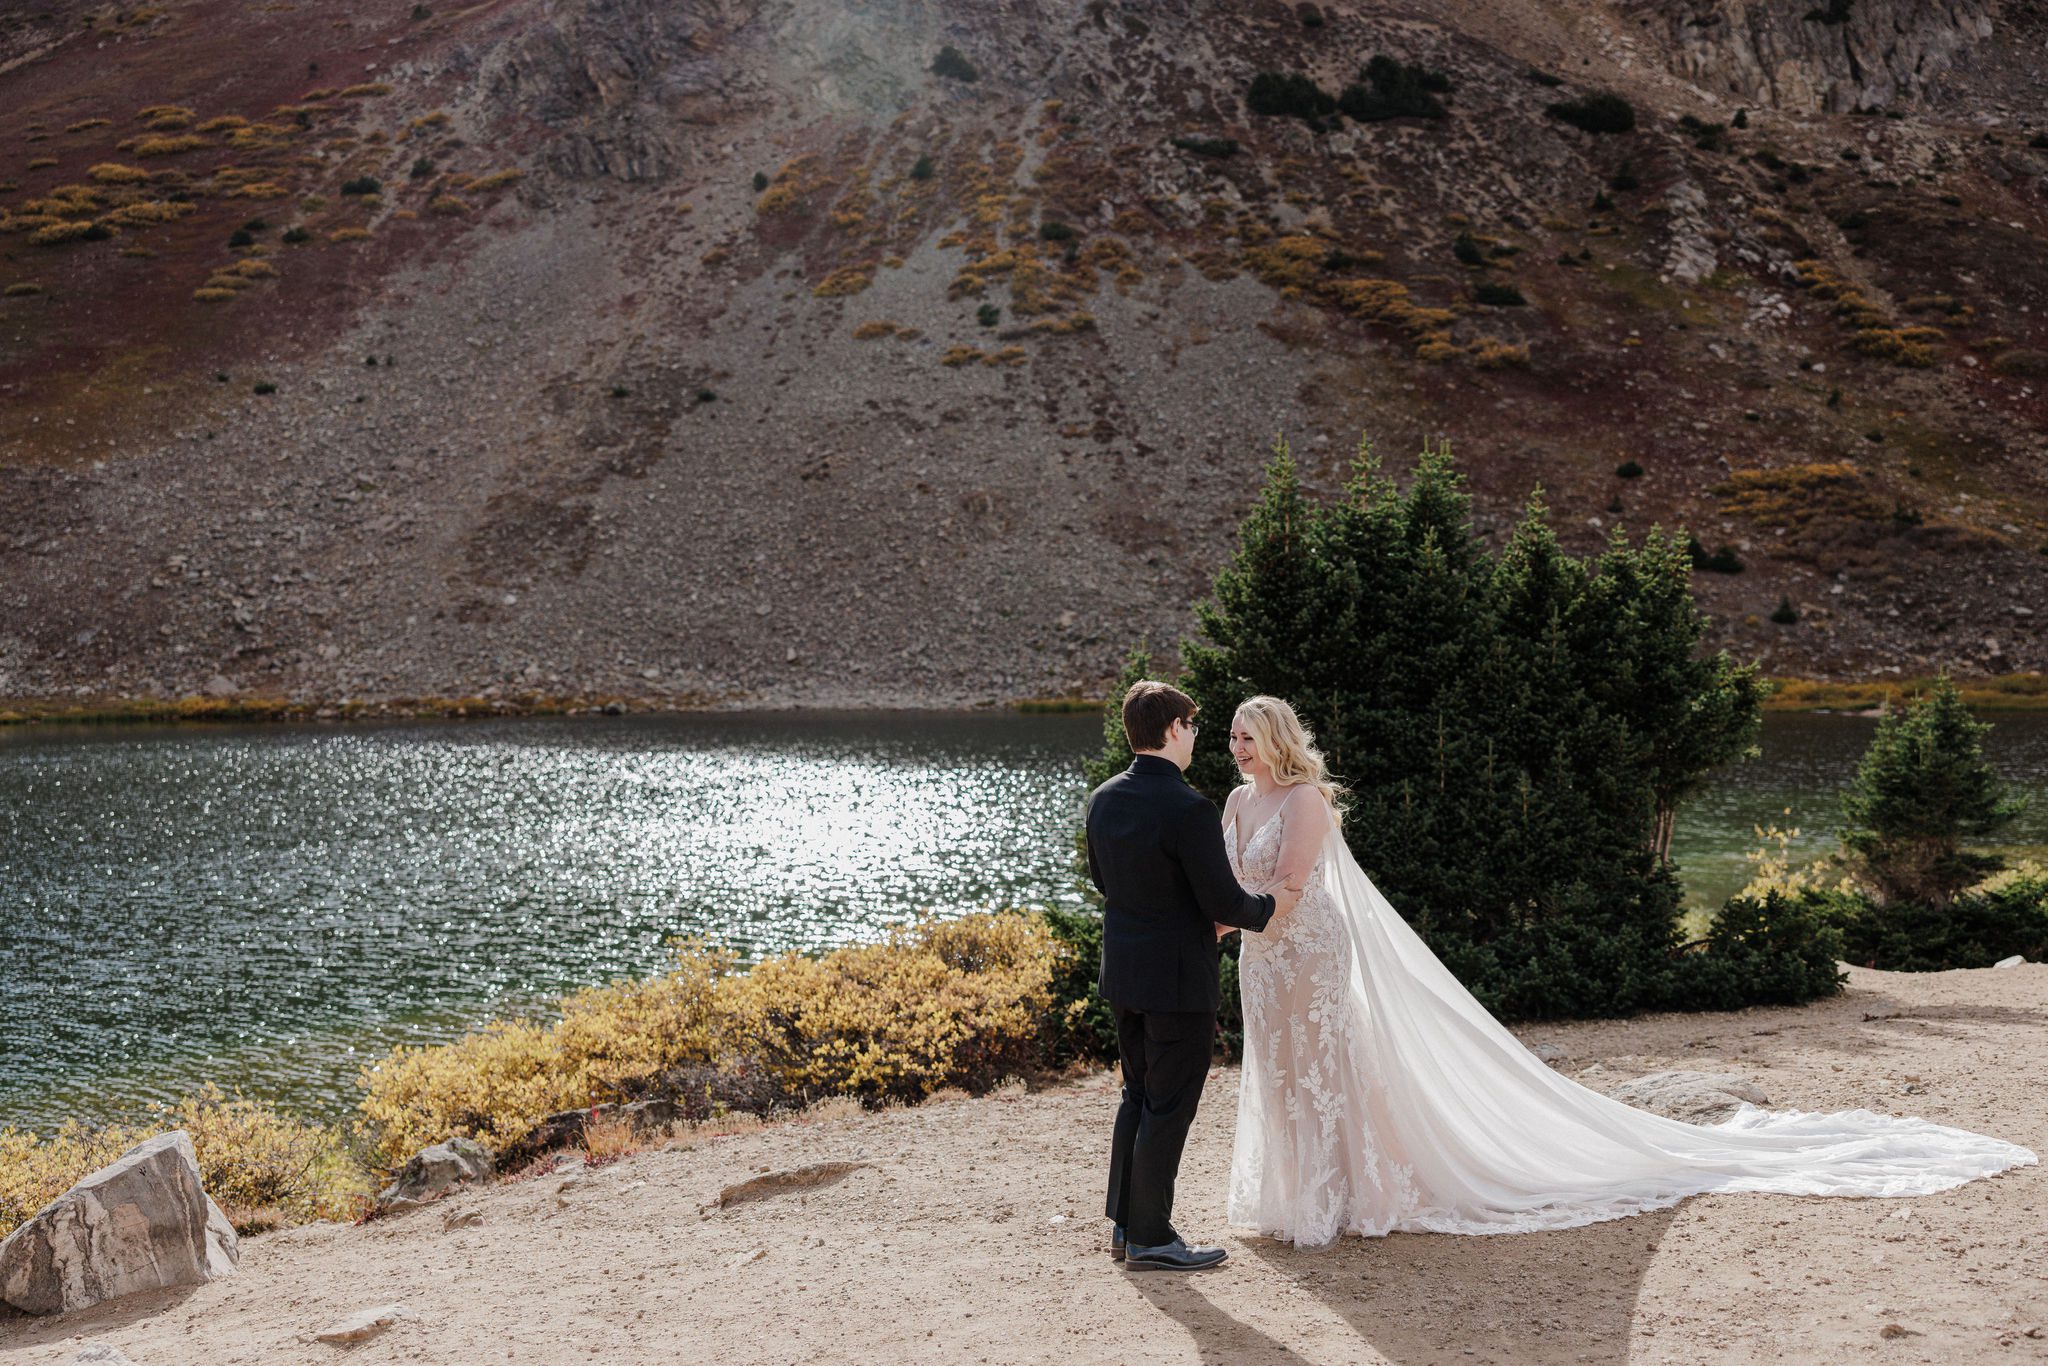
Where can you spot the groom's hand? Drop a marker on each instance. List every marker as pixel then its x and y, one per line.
pixel 1284 898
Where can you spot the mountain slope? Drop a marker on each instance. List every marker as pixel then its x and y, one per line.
pixel 730 352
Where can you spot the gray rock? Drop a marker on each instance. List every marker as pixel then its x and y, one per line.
pixel 434 1171
pixel 364 1323
pixel 2011 962
pixel 1695 1097
pixel 101 1354
pixel 140 1223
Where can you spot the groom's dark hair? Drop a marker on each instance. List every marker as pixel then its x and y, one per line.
pixel 1149 708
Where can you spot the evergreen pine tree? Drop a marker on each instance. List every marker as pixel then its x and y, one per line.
pixel 1923 788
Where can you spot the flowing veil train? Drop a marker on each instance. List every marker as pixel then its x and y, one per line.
pixel 1470 1132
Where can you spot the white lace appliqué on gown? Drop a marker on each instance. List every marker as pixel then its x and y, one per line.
pixel 1378 1095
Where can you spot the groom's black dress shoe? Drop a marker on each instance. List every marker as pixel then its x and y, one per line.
pixel 1173 1256
pixel 1116 1243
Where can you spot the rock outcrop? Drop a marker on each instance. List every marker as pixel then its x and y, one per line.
pixel 1824 56
pixel 434 1171
pixel 1695 1097
pixel 140 1223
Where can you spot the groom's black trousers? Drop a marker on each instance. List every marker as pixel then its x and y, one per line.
pixel 1165 1056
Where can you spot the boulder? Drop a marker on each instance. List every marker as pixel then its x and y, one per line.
pixel 364 1323
pixel 434 1171
pixel 100 1354
pixel 1695 1097
pixel 140 1223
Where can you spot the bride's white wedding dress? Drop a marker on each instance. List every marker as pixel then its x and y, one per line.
pixel 1378 1095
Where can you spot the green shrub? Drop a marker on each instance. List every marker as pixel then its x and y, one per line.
pixel 1722 561
pixel 1499 296
pixel 1290 94
pixel 1779 950
pixel 1784 614
pixel 1974 930
pixel 921 169
pixel 1600 112
pixel 953 65
pixel 1205 146
pixel 295 235
pixel 988 315
pixel 362 185
pixel 1052 230
pixel 1389 89
pixel 1079 1022
pixel 1628 469
pixel 1466 248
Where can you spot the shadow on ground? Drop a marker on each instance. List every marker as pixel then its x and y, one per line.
pixel 1418 1298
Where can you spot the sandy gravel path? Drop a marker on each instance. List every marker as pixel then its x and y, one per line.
pixel 971 1234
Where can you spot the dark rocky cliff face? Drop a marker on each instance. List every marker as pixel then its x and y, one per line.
pixel 1825 56
pixel 727 351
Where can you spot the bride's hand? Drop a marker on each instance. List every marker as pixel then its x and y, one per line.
pixel 1223 929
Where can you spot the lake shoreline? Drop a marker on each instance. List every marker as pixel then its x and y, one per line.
pixel 1991 692
pixel 984 1214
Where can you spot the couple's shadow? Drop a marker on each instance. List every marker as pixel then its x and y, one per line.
pixel 1567 1296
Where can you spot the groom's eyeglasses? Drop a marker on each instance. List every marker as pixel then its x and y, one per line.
pixel 1193 729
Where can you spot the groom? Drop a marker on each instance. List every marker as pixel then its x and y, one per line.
pixel 1155 850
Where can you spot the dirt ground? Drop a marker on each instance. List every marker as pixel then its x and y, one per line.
pixel 969 1232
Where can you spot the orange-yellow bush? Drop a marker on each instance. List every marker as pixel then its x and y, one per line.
pixel 840 283
pixel 168 146
pixel 114 173
pixel 251 1159
pixel 939 1003
pixel 62 231
pixel 496 1084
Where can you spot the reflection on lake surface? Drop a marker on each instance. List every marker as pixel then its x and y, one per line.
pixel 271 907
pixel 274 906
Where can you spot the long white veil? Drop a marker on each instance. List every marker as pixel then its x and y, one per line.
pixel 1483 1137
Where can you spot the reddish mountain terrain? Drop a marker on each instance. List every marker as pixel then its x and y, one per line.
pixel 788 351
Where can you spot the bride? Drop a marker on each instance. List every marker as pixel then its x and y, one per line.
pixel 1377 1095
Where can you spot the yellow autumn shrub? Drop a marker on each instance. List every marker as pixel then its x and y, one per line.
pixel 257 1164
pixel 939 1003
pixel 495 1085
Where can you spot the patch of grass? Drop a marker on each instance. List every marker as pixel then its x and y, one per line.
pixel 167 146
pixel 847 281
pixel 348 234
pixel 21 289
pixel 447 206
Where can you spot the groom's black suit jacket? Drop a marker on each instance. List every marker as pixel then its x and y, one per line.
pixel 1156 852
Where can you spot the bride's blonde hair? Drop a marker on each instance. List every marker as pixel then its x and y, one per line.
pixel 1285 746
